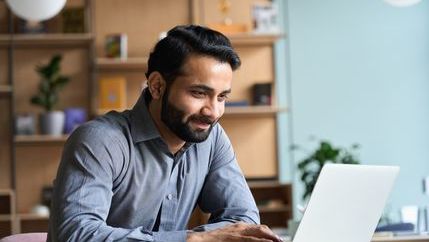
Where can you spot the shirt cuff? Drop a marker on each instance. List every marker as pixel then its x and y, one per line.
pixel 173 236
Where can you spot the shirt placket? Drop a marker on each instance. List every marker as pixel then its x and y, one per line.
pixel 170 203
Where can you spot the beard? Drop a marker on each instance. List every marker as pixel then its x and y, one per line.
pixel 174 119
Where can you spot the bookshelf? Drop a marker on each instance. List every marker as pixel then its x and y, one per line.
pixel 37 156
pixel 32 161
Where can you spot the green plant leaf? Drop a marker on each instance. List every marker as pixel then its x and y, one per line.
pixel 311 165
pixel 50 84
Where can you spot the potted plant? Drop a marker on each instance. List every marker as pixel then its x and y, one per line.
pixel 51 122
pixel 311 165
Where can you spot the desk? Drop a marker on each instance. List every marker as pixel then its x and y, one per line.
pixel 413 238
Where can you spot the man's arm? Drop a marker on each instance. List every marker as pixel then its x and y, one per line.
pixel 83 191
pixel 225 194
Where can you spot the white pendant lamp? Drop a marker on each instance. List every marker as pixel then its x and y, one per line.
pixel 36 10
pixel 402 3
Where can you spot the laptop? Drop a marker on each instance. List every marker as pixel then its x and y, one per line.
pixel 346 203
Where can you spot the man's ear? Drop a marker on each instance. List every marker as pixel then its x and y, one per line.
pixel 156 85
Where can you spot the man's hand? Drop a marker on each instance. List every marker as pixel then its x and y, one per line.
pixel 239 232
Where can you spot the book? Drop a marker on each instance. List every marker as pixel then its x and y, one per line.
pixel 112 93
pixel 73 20
pixel 116 46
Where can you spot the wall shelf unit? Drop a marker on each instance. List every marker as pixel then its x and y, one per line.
pixel 37 156
pixel 32 161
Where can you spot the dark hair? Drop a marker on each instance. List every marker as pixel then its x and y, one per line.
pixel 170 53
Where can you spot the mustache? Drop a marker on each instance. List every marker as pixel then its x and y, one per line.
pixel 202 119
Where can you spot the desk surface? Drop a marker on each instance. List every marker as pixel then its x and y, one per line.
pixel 413 238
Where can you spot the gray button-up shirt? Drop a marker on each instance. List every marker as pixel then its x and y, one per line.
pixel 116 174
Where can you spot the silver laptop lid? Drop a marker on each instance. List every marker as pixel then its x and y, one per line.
pixel 346 203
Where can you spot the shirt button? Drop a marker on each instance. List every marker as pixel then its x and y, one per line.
pixel 170 196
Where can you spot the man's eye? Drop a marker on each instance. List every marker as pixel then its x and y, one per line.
pixel 222 98
pixel 198 93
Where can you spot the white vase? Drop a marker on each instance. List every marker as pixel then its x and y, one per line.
pixel 52 123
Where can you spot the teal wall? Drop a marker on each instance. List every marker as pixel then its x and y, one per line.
pixel 357 71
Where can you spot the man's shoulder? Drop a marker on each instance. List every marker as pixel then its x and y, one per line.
pixel 108 126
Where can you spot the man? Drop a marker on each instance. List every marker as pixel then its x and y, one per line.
pixel 138 175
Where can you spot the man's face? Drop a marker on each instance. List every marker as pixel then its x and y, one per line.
pixel 195 101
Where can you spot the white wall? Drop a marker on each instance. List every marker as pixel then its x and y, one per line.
pixel 358 71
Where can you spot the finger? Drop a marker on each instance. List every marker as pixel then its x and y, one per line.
pixel 253 239
pixel 261 231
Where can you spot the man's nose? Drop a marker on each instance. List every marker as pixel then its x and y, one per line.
pixel 213 109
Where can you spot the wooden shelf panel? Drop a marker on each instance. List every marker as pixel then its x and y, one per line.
pixel 8 217
pixel 118 64
pixel 253 110
pixel 31 216
pixel 35 139
pixel 31 40
pixel 254 38
pixel 5 90
pixel 280 209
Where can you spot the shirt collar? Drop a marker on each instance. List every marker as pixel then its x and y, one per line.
pixel 142 126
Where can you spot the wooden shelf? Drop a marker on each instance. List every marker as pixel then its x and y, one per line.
pixel 35 139
pixel 8 217
pixel 5 90
pixel 253 110
pixel 118 64
pixel 31 40
pixel 266 209
pixel 274 202
pixel 31 216
pixel 254 38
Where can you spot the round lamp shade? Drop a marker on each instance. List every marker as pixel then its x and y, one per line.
pixel 36 10
pixel 402 3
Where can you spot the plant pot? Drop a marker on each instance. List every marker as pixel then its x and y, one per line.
pixel 52 123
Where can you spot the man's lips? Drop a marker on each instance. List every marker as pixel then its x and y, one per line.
pixel 201 125
pixel 202 122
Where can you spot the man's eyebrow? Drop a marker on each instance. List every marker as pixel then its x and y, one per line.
pixel 203 87
pixel 209 89
pixel 226 91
